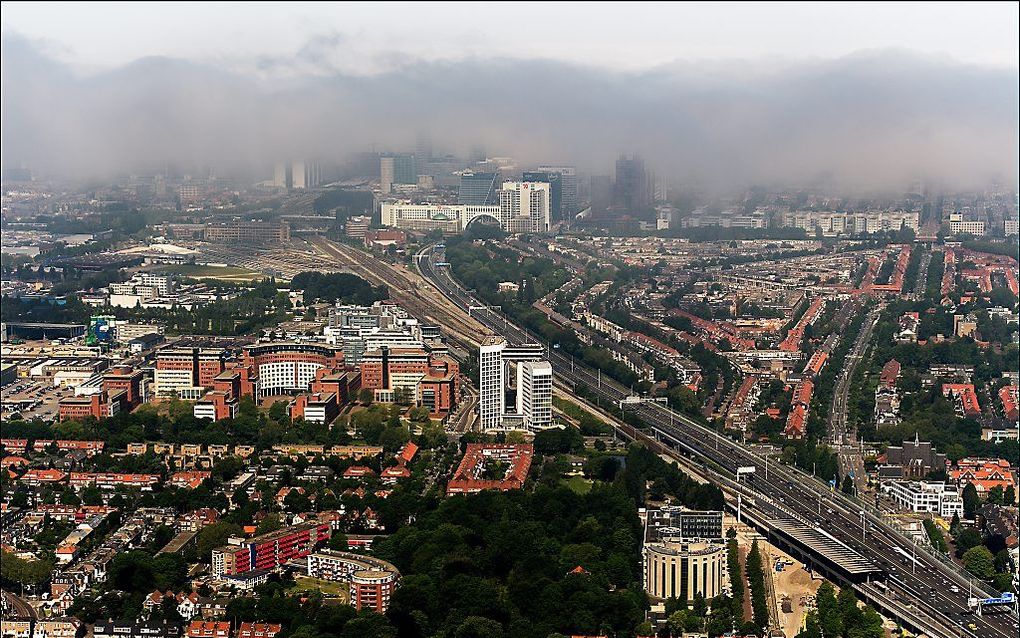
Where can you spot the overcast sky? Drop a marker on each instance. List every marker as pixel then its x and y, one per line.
pixel 871 94
pixel 367 37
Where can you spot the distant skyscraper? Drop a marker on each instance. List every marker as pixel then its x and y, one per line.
pixel 491 383
pixel 386 174
pixel 570 201
pixel 297 174
pixel 631 190
pixel 478 189
pixel 396 169
pixel 305 174
pixel 423 149
pixel 601 194
pixel 524 207
pixel 555 181
pixel 534 394
pixel 280 175
pixel 365 164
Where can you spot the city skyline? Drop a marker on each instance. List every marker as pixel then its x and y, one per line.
pixel 886 111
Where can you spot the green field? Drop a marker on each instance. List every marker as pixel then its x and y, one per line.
pixel 224 273
pixel 327 587
pixel 578 484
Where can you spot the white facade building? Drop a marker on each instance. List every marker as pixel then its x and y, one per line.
pixel 533 408
pixel 534 394
pixel 832 223
pixel 491 383
pixel 917 496
pixel 177 382
pixel 449 218
pixel 958 224
pixel 524 207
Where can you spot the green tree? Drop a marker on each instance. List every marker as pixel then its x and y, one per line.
pixel 756 579
pixel 479 627
pixel 365 396
pixel 968 538
pixel 980 562
pixel 213 536
pixel 24 572
pixel 971 500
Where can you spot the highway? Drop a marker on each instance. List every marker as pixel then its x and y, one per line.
pixel 921 596
pixel 842 438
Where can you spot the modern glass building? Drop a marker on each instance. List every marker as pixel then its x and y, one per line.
pixel 478 189
pixel 569 198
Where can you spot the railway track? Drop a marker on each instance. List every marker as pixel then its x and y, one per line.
pixel 406 289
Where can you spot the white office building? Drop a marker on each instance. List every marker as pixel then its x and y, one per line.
pixel 958 224
pixel 533 407
pixel 917 496
pixel 491 382
pixel 428 217
pixel 524 207
pixel 534 394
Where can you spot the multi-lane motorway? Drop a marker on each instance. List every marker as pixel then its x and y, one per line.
pixel 919 589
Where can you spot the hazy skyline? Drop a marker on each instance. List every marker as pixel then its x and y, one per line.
pixel 729 94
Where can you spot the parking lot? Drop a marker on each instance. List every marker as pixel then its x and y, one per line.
pixel 32 398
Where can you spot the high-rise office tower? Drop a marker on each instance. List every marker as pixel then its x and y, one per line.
pixel 630 193
pixel 555 181
pixel 601 194
pixel 524 207
pixel 280 174
pixel 478 189
pixel 491 383
pixel 297 174
pixel 386 174
pixel 423 149
pixel 396 169
pixel 307 174
pixel 570 201
pixel 534 394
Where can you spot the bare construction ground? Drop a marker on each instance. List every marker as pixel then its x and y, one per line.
pixel 793 583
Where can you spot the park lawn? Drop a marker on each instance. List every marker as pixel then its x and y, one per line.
pixel 578 484
pixel 327 587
